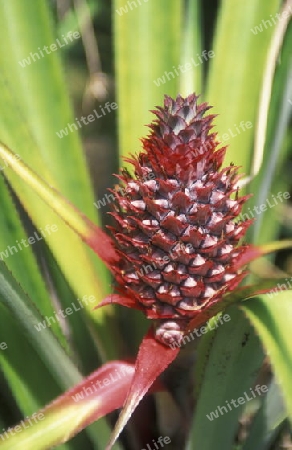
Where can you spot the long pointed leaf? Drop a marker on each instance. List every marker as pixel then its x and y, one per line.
pixel 87 231
pixel 17 302
pixel 268 420
pixel 271 315
pixel 153 358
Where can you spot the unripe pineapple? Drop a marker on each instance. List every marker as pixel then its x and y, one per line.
pixel 174 220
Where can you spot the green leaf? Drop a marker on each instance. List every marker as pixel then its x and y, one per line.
pixel 229 368
pixel 15 257
pixel 191 79
pixel 274 177
pixel 24 370
pixel 83 341
pixel 24 311
pixel 271 315
pixel 267 421
pixel 142 56
pixel 240 50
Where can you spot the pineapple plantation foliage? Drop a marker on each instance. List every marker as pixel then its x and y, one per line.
pixel 194 218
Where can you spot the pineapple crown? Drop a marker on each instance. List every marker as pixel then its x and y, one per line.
pixel 174 227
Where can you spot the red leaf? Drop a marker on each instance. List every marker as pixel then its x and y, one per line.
pixel 251 253
pixel 95 396
pixel 120 300
pixel 153 358
pixel 100 243
pixel 110 384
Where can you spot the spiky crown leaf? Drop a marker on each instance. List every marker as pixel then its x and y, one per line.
pixel 174 220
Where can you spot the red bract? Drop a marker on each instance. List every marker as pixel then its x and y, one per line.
pixel 153 358
pixel 174 228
